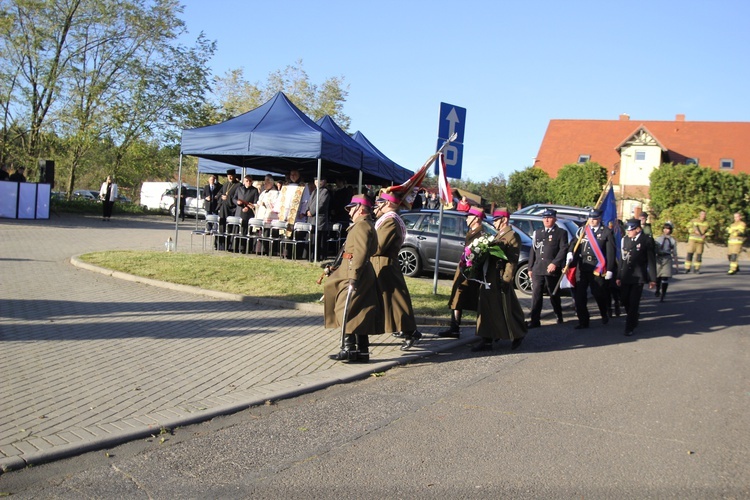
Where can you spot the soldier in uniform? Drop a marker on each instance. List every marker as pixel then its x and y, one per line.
pixel 696 239
pixel 397 307
pixel 734 244
pixel 546 261
pixel 595 262
pixel 637 267
pixel 666 259
pixel 500 315
pixel 364 314
pixel 465 293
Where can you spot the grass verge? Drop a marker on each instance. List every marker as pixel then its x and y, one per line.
pixel 254 276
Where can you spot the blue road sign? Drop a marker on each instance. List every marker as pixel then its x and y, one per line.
pixel 452 119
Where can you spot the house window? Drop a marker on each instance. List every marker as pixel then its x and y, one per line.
pixel 726 164
pixel 691 161
pixel 640 156
pixel 583 158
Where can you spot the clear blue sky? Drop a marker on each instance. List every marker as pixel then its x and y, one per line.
pixel 513 65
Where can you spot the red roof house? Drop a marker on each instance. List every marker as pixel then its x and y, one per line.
pixel 633 149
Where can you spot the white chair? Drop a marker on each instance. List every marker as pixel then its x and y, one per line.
pixel 233 228
pixel 210 230
pixel 273 234
pixel 335 238
pixel 301 236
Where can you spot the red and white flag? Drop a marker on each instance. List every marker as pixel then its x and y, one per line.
pixel 444 188
pixel 408 190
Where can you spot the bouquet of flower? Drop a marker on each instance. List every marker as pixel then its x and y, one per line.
pixel 476 254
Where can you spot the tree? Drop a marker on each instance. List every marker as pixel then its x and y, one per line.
pixel 528 186
pixel 235 95
pixel 108 72
pixel 578 185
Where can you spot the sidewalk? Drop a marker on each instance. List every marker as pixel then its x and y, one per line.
pixel 90 360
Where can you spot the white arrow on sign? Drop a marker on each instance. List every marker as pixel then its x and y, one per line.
pixel 452 120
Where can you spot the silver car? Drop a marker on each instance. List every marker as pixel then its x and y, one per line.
pixel 418 251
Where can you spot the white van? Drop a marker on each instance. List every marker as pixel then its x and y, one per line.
pixel 151 193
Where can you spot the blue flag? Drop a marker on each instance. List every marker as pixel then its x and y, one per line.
pixel 609 215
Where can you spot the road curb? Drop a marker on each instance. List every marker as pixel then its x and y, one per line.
pixel 281 304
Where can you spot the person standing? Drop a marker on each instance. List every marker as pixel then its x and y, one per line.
pixel 245 199
pixel 341 196
pixel 465 292
pixel 546 260
pixel 226 206
pixel 4 175
pixel 18 176
pixel 595 262
pixel 500 315
pixel 108 195
pixel 211 195
pixel 645 226
pixel 397 306
pixel 293 199
pixel 267 200
pixel 351 290
pixel 734 244
pixel 636 268
pixel 697 234
pixel 317 215
pixel 433 202
pixel 666 259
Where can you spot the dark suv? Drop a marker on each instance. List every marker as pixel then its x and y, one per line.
pixel 418 251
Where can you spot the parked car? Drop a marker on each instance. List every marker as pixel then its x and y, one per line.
pixel 123 199
pixel 418 251
pixel 85 194
pixel 565 210
pixel 529 223
pixel 193 201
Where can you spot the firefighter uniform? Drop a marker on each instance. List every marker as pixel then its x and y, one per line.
pixel 697 233
pixel 734 244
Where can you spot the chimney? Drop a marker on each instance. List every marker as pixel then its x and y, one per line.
pixel 679 118
pixel 624 117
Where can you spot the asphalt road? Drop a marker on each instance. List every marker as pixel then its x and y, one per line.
pixel 584 414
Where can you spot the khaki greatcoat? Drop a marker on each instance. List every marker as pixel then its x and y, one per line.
pixel 465 293
pixel 365 308
pixel 397 306
pixel 500 315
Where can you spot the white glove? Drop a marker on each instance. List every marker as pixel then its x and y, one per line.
pixel 608 275
pixel 569 258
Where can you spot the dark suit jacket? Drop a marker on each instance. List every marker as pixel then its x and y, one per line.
pixel 638 262
pixel 321 208
pixel 585 258
pixel 211 205
pixel 549 247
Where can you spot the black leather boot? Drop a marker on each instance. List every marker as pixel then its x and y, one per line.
pixel 410 340
pixel 349 352
pixel 454 331
pixel 363 349
pixel 663 291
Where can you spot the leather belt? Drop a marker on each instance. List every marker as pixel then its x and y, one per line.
pixel 347 255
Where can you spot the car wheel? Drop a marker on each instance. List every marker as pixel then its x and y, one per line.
pixel 408 260
pixel 173 211
pixel 522 280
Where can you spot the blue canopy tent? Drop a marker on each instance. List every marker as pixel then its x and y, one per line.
pixel 276 137
pixel 220 168
pixel 371 163
pixel 399 173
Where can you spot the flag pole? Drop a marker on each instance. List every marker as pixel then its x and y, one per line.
pixel 582 232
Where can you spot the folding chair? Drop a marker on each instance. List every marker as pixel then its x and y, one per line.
pixel 211 230
pixel 273 235
pixel 231 230
pixel 334 238
pixel 301 236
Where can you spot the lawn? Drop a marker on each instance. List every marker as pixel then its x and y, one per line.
pixel 254 276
